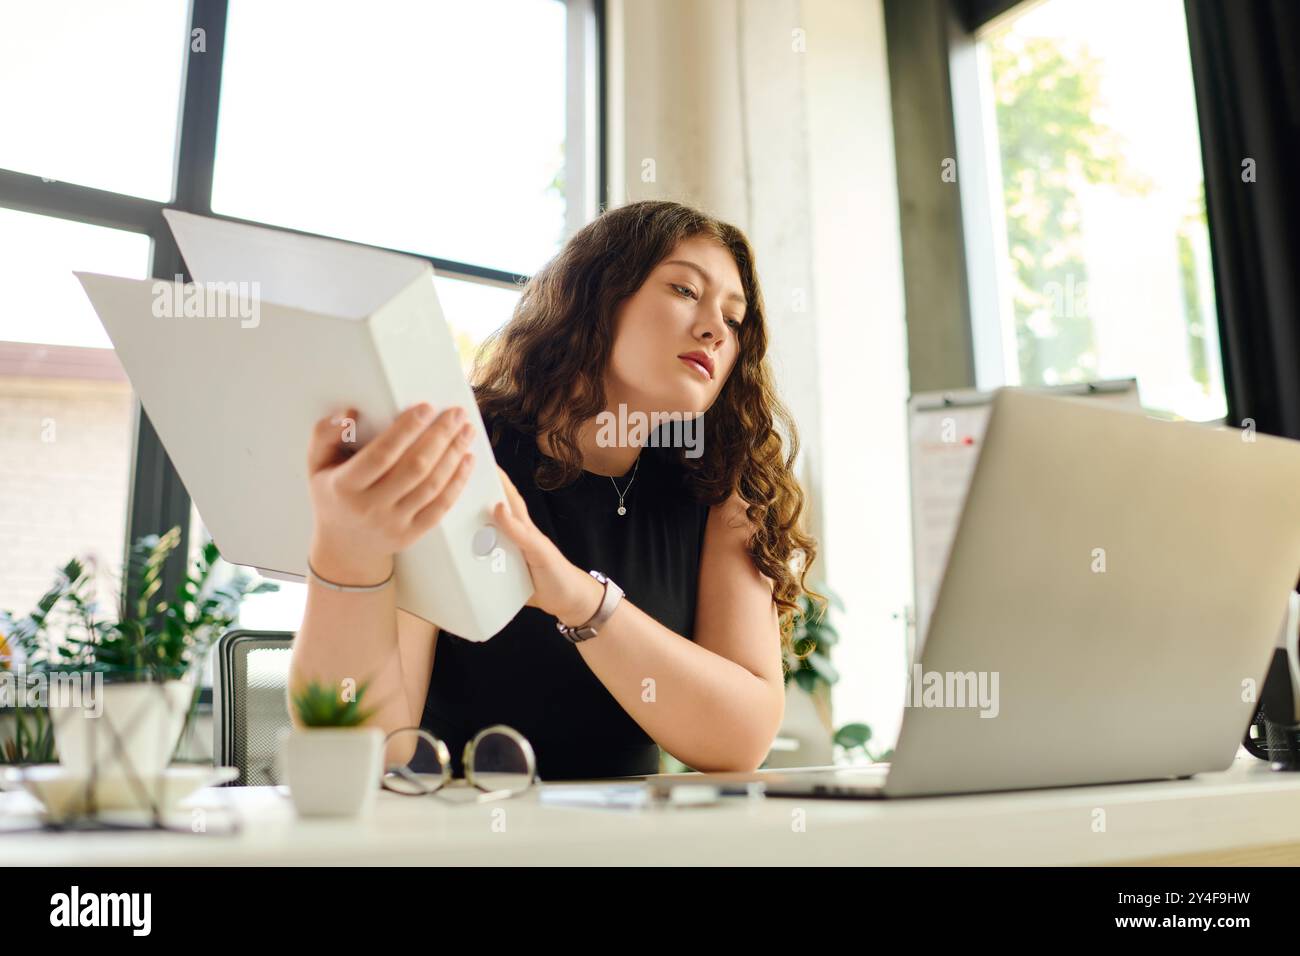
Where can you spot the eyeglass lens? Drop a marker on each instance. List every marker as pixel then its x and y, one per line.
pixel 423 772
pixel 499 762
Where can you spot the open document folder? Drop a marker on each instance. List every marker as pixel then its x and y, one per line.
pixel 280 331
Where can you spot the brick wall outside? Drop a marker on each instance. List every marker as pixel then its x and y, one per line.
pixel 67 497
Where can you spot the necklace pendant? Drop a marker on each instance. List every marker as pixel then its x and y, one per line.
pixel 621 492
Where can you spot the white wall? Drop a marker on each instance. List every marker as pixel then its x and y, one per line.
pixel 775 115
pixel 862 340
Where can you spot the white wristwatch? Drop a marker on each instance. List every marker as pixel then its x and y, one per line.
pixel 613 594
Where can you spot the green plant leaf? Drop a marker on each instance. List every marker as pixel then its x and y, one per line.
pixel 152 637
pixel 322 705
pixel 824 668
pixel 806 679
pixel 853 735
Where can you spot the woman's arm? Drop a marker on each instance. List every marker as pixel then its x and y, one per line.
pixel 367 506
pixel 366 636
pixel 353 635
pixel 715 703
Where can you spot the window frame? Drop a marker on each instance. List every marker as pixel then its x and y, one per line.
pixel 954 294
pixel 157 497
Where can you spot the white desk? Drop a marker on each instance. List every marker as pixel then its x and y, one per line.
pixel 1245 815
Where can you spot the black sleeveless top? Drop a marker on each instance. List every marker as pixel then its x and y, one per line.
pixel 528 675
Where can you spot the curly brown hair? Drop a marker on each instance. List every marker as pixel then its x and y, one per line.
pixel 546 366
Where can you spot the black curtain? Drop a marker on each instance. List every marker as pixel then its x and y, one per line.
pixel 1246 70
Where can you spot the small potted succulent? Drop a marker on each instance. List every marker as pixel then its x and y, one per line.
pixel 120 691
pixel 333 762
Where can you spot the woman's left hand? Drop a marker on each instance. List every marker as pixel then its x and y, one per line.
pixel 561 587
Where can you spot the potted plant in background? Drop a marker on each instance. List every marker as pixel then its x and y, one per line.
pixel 121 691
pixel 812 671
pixel 26 735
pixel 332 762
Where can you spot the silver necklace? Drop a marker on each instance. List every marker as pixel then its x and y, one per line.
pixel 622 510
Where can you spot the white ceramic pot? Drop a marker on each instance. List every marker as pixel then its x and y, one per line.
pixel 119 729
pixel 333 771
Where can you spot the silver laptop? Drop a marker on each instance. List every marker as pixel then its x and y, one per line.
pixel 1108 610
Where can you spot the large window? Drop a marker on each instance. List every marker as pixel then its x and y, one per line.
pixel 432 126
pixel 461 132
pixel 1098 223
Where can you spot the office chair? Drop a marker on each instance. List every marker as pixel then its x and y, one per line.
pixel 249 706
pixel 1273 734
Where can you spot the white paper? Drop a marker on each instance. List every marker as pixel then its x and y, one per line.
pixel 234 402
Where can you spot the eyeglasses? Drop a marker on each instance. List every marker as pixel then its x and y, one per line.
pixel 499 761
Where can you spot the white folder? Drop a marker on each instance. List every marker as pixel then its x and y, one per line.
pixel 294 328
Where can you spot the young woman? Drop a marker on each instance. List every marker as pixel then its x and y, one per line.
pixel 652 308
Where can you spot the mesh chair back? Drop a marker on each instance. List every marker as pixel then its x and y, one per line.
pixel 249 705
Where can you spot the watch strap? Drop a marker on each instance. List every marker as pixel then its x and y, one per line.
pixel 613 594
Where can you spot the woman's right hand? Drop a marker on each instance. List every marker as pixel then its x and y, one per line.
pixel 370 504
